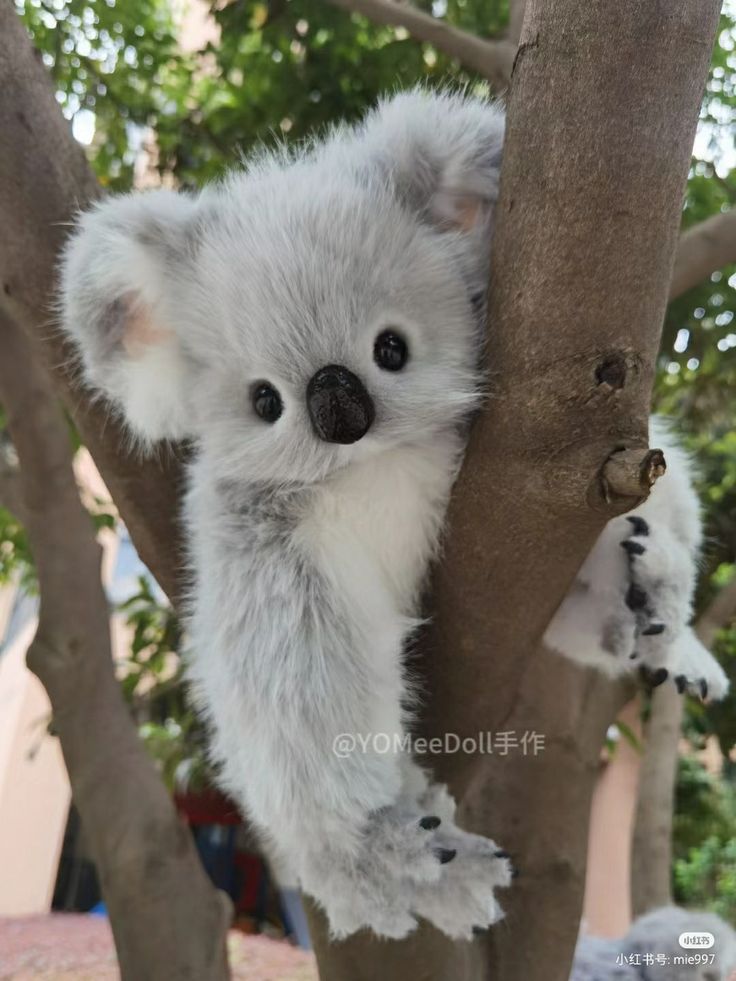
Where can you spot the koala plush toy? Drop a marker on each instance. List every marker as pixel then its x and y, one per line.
pixel 651 950
pixel 314 325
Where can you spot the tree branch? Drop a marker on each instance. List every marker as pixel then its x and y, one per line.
pixel 491 59
pixel 144 855
pixel 517 9
pixel 702 250
pixel 11 494
pixel 651 846
pixel 149 869
pixel 591 191
pixel 720 613
pixel 44 180
pixel 72 657
pixel 651 862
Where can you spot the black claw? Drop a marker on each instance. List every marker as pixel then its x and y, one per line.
pixel 515 873
pixel 639 524
pixel 502 853
pixel 633 548
pixel 429 823
pixel 681 682
pixel 658 677
pixel 653 629
pixel 479 931
pixel 445 855
pixel 636 598
pixel 703 689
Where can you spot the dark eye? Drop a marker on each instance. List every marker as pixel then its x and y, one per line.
pixel 390 351
pixel 267 402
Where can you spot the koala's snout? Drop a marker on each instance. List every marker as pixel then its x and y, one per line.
pixel 339 406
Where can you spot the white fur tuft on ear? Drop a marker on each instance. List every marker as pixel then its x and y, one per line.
pixel 443 152
pixel 118 272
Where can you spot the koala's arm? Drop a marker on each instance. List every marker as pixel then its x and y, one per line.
pixel 284 668
pixel 630 606
pixel 299 666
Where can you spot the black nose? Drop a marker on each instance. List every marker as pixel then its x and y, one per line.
pixel 339 406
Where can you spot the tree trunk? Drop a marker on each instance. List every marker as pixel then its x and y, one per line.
pixel 651 846
pixel 168 920
pixel 603 106
pixel 44 180
pixel 651 862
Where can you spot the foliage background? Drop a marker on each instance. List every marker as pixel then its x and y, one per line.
pixel 279 72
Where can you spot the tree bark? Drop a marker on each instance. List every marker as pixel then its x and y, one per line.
pixel 651 845
pixel 168 920
pixel 44 180
pixel 517 9
pixel 720 613
pixel 706 247
pixel 603 107
pixel 651 862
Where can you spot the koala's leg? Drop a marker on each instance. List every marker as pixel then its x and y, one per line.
pixel 630 607
pixel 694 668
pixel 300 667
pixel 413 860
pixel 410 866
pixel 463 899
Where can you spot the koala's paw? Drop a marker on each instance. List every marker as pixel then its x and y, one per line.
pixel 696 672
pixel 411 864
pixel 652 597
pixel 464 900
pixel 408 844
pixel 657 597
pixel 373 886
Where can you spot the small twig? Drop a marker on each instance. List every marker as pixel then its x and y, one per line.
pixel 632 473
pixel 702 249
pixel 720 613
pixel 491 59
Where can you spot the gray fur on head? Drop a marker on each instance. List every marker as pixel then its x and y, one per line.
pixel 295 262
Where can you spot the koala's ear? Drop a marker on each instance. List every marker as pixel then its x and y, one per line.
pixel 443 153
pixel 120 271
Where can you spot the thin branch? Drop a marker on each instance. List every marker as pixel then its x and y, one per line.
pixel 11 494
pixel 720 613
pixel 633 473
pixel 491 59
pixel 44 179
pixel 703 249
pixel 651 864
pixel 145 857
pixel 516 19
pixel 129 817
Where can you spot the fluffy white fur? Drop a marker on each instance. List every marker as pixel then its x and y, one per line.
pixel 309 556
pixel 654 549
pixel 655 933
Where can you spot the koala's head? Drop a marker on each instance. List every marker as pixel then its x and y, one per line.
pixel 308 311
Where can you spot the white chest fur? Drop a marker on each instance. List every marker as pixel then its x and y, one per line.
pixel 385 513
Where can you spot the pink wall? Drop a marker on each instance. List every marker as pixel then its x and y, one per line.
pixel 34 789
